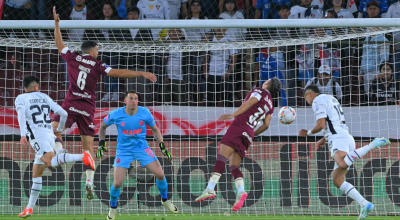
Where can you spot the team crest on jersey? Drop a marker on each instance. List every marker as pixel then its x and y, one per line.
pixel 78 58
pixel 158 7
pixel 141 123
pixel 151 7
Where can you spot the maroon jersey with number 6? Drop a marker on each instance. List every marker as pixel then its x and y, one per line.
pixel 84 71
pixel 240 133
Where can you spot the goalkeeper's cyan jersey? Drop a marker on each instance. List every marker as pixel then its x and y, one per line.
pixel 328 107
pixel 37 107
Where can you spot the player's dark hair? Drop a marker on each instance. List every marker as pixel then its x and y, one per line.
pixel 29 79
pixel 87 46
pixel 130 91
pixel 275 85
pixel 313 88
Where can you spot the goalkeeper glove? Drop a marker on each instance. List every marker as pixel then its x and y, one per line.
pixel 101 149
pixel 164 151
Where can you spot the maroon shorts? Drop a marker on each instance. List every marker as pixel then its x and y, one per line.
pixel 81 114
pixel 238 138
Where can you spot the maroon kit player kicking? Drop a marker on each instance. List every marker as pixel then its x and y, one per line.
pixel 84 71
pixel 257 107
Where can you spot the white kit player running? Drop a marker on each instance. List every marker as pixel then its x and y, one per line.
pixel 330 119
pixel 33 108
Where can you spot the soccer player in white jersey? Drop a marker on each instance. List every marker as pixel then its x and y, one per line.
pixel 33 108
pixel 330 119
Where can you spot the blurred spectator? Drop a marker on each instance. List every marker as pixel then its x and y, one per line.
pixel 373 54
pixel 372 8
pixel 384 89
pixel 78 12
pixel 231 12
pixel 38 12
pixel 220 68
pixel 305 60
pixel 352 7
pixel 16 10
pixel 111 58
pixel 305 10
pixel 284 11
pixel 175 86
pixel 154 10
pixel 243 6
pixel 137 34
pixel 210 8
pixel 271 63
pixel 394 12
pixel 178 7
pixel 270 9
pixel 196 13
pixel 326 83
pixel 339 6
pixel 122 6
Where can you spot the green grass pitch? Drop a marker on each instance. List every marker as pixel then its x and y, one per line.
pixel 190 217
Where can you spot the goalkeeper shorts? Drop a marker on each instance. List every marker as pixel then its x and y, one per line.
pixel 143 155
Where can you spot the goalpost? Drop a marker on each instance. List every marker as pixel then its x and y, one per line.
pixel 284 174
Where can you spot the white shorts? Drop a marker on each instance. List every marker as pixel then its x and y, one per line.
pixel 345 144
pixel 42 146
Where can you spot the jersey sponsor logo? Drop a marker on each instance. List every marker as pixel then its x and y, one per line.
pixel 247 136
pixel 92 125
pixel 132 132
pixel 79 111
pixel 84 69
pixel 105 65
pixel 141 123
pixel 85 95
pixel 123 124
pixel 78 58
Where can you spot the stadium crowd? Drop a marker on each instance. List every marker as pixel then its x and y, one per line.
pixel 365 74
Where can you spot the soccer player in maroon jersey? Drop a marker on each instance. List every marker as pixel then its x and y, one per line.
pixel 257 107
pixel 84 71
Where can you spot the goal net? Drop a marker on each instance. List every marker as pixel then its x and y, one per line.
pixel 205 69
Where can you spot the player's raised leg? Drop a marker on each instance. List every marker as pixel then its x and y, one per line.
pixel 345 160
pixel 219 167
pixel 234 163
pixel 162 185
pixel 87 144
pixel 115 191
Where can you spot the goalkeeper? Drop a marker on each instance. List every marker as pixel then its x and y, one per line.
pixel 131 123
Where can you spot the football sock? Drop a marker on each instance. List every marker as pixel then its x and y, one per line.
pixel 352 192
pixel 238 176
pixel 239 185
pixel 162 186
pixel 354 155
pixel 65 158
pixel 217 171
pixel 89 175
pixel 35 191
pixel 213 180
pixel 220 164
pixel 58 145
pixel 114 195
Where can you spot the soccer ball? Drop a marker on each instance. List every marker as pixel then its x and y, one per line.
pixel 287 115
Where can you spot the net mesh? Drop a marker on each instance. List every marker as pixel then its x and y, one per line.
pixel 284 175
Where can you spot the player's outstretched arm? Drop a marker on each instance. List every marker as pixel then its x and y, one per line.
pixel 317 128
pixel 321 142
pixel 102 143
pixel 57 32
pixel 243 108
pixel 131 74
pixel 63 118
pixel 159 138
pixel 265 126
